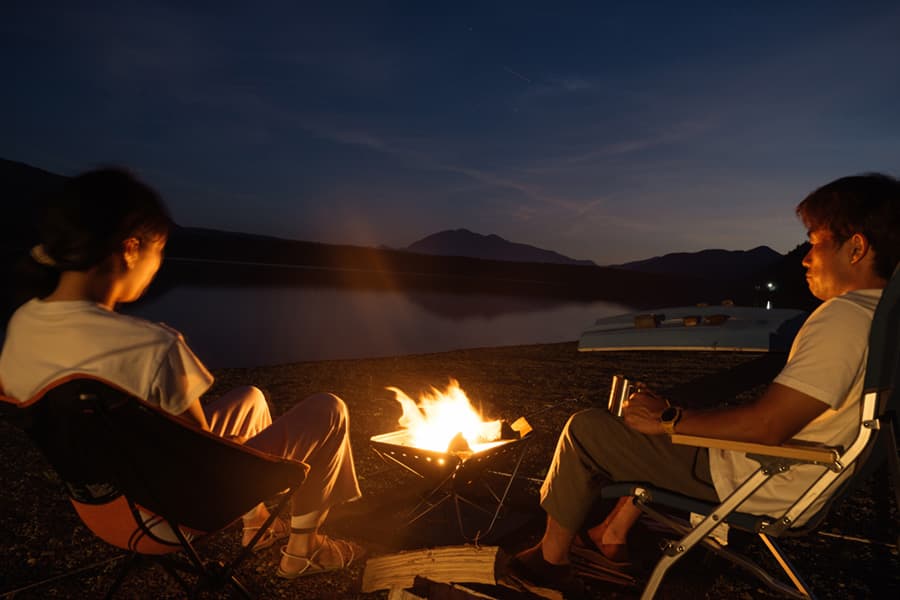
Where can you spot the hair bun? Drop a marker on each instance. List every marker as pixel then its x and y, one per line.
pixel 40 256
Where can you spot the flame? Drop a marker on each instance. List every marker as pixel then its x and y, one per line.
pixel 440 416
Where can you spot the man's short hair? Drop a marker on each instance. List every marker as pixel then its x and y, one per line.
pixel 868 204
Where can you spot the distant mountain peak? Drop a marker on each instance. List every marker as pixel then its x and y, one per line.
pixel 463 242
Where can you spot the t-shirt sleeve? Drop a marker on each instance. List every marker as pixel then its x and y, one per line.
pixel 829 352
pixel 181 379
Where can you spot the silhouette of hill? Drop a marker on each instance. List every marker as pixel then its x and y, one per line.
pixel 773 277
pixel 462 242
pixel 258 260
pixel 788 277
pixel 715 264
pixel 213 257
pixel 22 189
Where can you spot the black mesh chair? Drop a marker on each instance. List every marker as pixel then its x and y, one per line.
pixel 875 443
pixel 108 446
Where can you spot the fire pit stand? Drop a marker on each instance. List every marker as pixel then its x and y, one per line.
pixel 453 473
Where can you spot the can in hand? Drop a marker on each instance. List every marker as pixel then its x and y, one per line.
pixel 621 389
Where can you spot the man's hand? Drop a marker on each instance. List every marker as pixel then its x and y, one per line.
pixel 772 419
pixel 642 410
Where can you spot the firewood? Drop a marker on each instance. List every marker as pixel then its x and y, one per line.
pixel 435 590
pixel 398 593
pixel 448 564
pixel 426 589
pixel 588 563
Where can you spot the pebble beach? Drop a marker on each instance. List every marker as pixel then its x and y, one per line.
pixel 47 553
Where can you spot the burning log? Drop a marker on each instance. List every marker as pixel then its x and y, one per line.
pixel 459 445
pixel 439 417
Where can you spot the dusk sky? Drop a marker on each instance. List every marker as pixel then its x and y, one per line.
pixel 609 132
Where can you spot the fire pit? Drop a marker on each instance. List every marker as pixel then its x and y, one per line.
pixel 456 465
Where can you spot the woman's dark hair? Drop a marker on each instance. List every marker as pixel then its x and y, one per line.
pixel 86 220
pixel 868 204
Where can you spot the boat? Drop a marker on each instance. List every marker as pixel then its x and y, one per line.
pixel 703 327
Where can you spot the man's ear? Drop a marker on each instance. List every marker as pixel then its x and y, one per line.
pixel 859 247
pixel 131 248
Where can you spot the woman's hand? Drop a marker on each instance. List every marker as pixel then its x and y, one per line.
pixel 195 415
pixel 642 410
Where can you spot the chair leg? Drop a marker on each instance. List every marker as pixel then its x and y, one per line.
pixel 786 566
pixel 240 587
pixel 675 550
pixel 120 576
pixel 216 576
pixel 171 568
pixel 890 433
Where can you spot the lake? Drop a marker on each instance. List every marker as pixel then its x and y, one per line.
pixel 245 326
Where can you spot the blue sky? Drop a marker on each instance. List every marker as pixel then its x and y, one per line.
pixel 610 132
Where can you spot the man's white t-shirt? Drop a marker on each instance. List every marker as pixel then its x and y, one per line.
pixel 46 341
pixel 828 362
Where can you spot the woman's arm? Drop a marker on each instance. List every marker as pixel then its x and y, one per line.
pixel 194 415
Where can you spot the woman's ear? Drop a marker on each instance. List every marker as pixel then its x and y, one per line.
pixel 131 248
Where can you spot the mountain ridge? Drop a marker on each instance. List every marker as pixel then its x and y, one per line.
pixel 713 262
pixel 265 258
pixel 464 242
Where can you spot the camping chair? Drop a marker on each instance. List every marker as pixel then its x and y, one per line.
pixel 875 442
pixel 106 445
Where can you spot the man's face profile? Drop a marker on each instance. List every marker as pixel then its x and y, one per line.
pixel 826 265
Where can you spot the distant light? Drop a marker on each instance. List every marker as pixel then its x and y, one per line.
pixel 770 285
pixel 768 305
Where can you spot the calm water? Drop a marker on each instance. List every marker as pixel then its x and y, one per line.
pixel 253 326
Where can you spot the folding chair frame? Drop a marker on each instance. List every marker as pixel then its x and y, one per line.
pixel 875 439
pixel 211 575
pixel 773 460
pixel 126 468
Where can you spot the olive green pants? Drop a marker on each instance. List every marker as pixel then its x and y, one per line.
pixel 596 448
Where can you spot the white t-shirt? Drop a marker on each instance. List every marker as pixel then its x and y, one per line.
pixel 828 362
pixel 46 341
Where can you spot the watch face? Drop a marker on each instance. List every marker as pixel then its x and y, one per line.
pixel 668 414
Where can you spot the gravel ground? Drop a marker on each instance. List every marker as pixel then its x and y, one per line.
pixel 43 541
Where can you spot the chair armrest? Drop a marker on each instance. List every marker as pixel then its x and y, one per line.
pixel 793 449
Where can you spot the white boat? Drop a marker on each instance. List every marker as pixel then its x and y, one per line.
pixel 725 327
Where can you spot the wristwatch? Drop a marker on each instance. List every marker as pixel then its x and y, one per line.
pixel 669 419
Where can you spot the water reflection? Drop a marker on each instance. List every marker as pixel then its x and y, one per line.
pixel 251 326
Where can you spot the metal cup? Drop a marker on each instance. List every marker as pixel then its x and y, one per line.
pixel 619 392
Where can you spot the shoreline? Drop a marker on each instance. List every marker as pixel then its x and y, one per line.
pixel 544 383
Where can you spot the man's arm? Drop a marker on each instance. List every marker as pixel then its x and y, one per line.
pixel 773 419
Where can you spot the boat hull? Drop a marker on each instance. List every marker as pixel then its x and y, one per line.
pixel 702 328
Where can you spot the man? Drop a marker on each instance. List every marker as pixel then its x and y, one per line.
pixel 854 232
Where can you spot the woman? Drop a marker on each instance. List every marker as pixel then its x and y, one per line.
pixel 102 241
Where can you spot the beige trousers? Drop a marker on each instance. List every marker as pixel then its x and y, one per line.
pixel 315 431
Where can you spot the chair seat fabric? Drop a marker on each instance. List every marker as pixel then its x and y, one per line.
pixel 125 526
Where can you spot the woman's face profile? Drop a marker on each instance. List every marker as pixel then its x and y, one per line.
pixel 143 261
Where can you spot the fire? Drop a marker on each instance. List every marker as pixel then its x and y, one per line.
pixel 439 417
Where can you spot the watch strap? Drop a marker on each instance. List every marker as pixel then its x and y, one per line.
pixel 670 418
